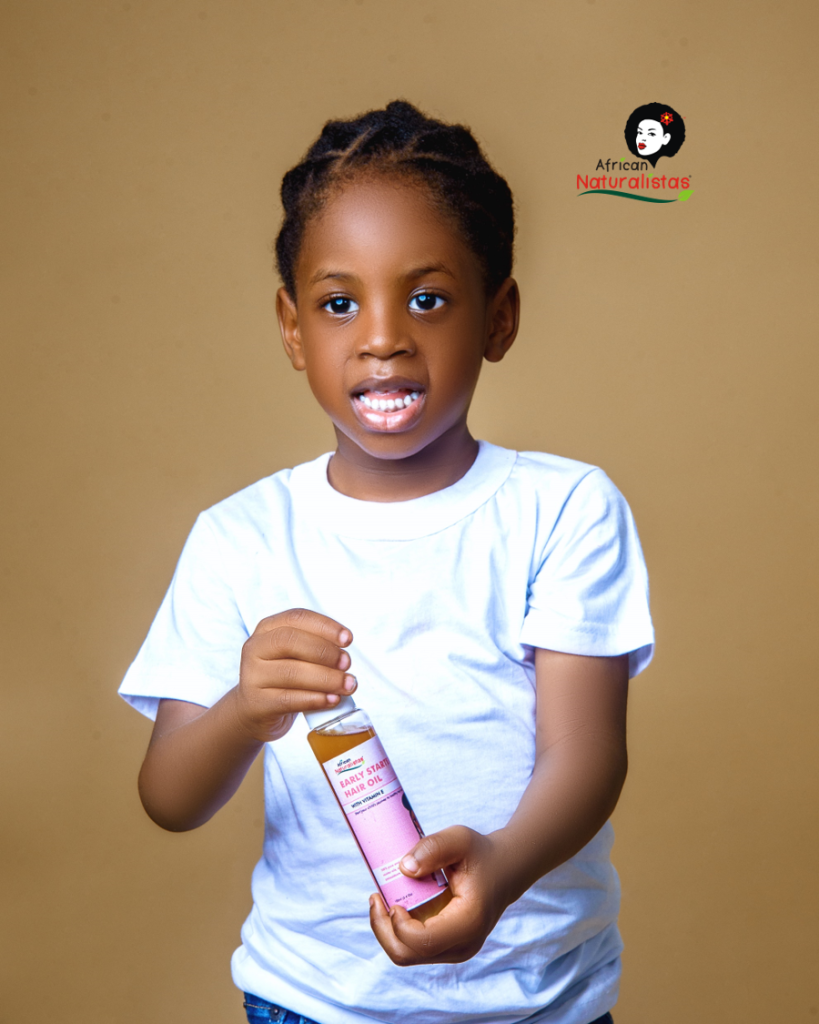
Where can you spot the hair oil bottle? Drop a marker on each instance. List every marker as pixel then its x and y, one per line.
pixel 375 805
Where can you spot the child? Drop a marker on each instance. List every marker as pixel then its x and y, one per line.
pixel 492 604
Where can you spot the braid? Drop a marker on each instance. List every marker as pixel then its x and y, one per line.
pixel 401 140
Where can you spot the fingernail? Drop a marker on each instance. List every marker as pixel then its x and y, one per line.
pixel 344 660
pixel 409 863
pixel 372 901
pixel 350 684
pixel 344 637
pixel 333 698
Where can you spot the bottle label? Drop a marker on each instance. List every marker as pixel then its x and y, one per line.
pixel 380 816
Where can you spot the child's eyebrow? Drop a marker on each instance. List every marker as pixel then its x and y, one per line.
pixel 322 275
pixel 432 268
pixel 339 275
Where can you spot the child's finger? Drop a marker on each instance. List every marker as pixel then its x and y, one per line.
pixel 293 702
pixel 288 642
pixel 407 941
pixel 382 926
pixel 286 674
pixel 309 622
pixel 438 851
pixel 451 936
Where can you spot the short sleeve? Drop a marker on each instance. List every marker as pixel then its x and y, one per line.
pixel 589 594
pixel 193 648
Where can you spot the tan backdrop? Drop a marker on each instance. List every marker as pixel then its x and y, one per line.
pixel 142 380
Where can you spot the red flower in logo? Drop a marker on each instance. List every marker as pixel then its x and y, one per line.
pixel 666 118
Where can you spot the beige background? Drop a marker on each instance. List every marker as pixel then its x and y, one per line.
pixel 142 380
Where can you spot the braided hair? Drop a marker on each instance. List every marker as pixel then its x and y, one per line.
pixel 400 140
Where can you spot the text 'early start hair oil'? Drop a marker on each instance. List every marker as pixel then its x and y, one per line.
pixel 375 806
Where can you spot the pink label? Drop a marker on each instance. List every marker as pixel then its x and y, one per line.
pixel 382 821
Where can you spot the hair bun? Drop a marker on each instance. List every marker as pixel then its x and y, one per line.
pixel 401 110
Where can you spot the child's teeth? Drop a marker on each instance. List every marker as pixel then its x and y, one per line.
pixel 389 404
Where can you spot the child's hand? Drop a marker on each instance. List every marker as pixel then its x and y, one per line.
pixel 473 864
pixel 580 765
pixel 293 662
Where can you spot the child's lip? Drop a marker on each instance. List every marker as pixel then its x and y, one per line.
pixel 391 383
pixel 407 398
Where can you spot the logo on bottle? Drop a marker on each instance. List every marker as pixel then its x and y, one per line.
pixel 347 764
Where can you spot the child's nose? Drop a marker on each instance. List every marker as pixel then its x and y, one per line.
pixel 384 337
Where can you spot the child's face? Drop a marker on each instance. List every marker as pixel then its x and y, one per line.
pixel 392 320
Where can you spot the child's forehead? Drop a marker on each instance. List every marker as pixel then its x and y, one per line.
pixel 372 212
pixel 369 189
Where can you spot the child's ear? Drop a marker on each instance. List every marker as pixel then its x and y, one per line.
pixel 289 326
pixel 502 319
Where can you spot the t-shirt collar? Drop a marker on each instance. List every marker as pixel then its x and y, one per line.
pixel 333 512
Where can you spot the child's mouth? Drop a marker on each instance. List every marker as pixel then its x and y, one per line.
pixel 395 409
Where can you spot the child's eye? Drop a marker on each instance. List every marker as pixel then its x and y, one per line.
pixel 426 301
pixel 340 305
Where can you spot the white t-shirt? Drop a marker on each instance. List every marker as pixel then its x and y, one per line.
pixel 446 595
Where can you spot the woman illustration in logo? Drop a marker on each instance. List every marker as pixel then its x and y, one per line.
pixel 654 130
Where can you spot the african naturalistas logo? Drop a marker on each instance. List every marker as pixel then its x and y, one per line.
pixel 348 765
pixel 652 131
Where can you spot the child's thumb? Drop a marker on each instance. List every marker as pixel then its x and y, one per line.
pixel 439 850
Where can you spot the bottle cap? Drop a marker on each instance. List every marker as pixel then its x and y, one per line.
pixel 315 719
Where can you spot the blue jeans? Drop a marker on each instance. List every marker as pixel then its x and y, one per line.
pixel 259 1011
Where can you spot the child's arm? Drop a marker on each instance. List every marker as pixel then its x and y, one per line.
pixel 580 767
pixel 198 756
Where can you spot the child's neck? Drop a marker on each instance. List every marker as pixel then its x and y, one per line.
pixel 358 474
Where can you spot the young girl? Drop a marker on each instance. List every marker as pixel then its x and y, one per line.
pixel 491 605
